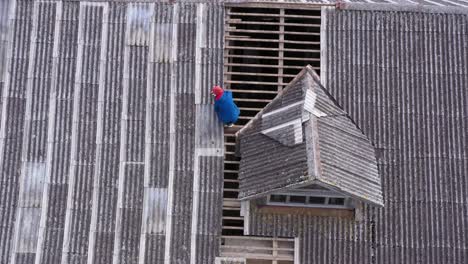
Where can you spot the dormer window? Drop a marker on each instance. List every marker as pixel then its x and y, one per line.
pixel 288 199
pixel 311 197
pixel 304 138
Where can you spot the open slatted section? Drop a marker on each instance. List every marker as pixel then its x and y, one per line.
pixel 259 249
pixel 264 49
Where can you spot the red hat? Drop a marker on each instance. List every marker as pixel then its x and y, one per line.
pixel 218 92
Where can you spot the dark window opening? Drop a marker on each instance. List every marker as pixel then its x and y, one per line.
pixel 316 200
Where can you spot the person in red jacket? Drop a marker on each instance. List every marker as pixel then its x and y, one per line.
pixel 224 106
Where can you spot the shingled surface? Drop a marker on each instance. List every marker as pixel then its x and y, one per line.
pixel 303 137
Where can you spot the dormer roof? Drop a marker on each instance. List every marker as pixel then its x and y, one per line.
pixel 304 137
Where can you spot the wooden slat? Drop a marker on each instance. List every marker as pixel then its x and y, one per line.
pixel 253 91
pixel 277 5
pixel 283 239
pixel 271 32
pixel 259 83
pixel 260 74
pixel 266 66
pixel 270 15
pixel 251 100
pixel 251 248
pixel 231 180
pixel 249 38
pixel 250 108
pixel 281 50
pixel 276 49
pixel 230 190
pixel 233 218
pixel 239 21
pixel 231 171
pixel 277 58
pixel 231 162
pixel 257 256
pixel 233 227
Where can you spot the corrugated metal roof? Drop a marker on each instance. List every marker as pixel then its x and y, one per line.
pixel 417 120
pixel 402 77
pixel 110 147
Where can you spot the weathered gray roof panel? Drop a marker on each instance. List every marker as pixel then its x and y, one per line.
pixel 405 86
pixel 268 165
pixel 348 160
pixel 110 133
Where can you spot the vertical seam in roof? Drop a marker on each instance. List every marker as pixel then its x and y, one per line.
pixel 123 141
pixel 74 136
pixel 99 134
pixel 196 167
pixel 50 133
pixel 148 141
pixel 8 52
pixel 170 187
pixel 29 87
pixel 323 45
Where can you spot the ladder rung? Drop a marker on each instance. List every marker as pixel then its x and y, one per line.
pixel 231 180
pixel 233 227
pixel 233 218
pixel 230 190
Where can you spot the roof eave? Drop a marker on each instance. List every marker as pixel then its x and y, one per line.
pixel 330 186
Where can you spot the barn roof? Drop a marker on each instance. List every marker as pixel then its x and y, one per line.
pixel 110 150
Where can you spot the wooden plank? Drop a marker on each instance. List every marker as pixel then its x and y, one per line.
pixel 284 239
pixel 267 66
pixel 275 49
pixel 281 23
pixel 270 15
pixel 249 38
pixel 260 74
pixel 272 32
pixel 251 100
pixel 233 227
pixel 231 162
pixel 281 51
pixel 256 256
pixel 231 180
pixel 251 248
pixel 231 202
pixel 259 83
pixel 250 108
pixel 233 218
pixel 276 4
pixel 277 58
pixel 253 91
